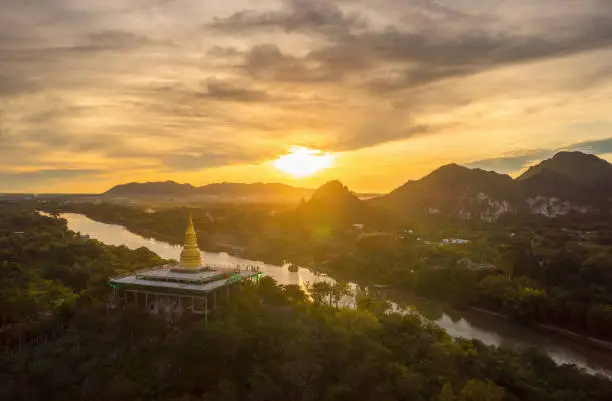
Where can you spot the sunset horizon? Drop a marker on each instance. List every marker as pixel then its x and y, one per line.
pixel 95 95
pixel 314 179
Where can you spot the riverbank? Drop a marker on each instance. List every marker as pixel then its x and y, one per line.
pixel 170 239
pixel 581 338
pixel 460 323
pixel 566 333
pixel 342 276
pixel 563 332
pixel 457 323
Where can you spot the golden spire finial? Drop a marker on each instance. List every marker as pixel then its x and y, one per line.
pixel 190 255
pixel 190 227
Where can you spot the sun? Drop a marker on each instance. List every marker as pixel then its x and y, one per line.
pixel 303 162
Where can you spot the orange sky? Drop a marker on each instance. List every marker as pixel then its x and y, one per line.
pixel 93 93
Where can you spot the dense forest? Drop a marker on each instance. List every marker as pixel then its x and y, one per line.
pixel 47 272
pixel 271 343
pixel 547 278
pixel 551 271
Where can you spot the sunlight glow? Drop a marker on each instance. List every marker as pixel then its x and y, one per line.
pixel 302 162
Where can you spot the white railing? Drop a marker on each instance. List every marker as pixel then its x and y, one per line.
pixel 214 267
pixel 137 272
pixel 236 267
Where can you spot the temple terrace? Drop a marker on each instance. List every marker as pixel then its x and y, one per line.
pixel 189 285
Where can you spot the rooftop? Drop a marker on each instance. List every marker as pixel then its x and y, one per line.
pixel 205 280
pixel 189 275
pixel 169 273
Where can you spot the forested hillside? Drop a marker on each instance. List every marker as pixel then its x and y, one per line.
pixel 47 272
pixel 271 343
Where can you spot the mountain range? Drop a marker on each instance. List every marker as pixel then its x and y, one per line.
pixel 231 191
pixel 569 182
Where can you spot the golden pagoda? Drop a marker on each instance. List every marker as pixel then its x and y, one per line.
pixel 191 258
pixel 188 286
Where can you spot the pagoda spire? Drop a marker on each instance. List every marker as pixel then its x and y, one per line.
pixel 191 258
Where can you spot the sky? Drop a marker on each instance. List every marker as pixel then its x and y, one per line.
pixel 96 93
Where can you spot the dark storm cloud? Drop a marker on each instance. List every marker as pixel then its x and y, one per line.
pixel 370 135
pixel 268 63
pixel 598 147
pixel 430 57
pixel 414 77
pixel 437 8
pixel 225 90
pixel 339 60
pixel 316 17
pixel 427 55
pixel 519 160
pixel 514 161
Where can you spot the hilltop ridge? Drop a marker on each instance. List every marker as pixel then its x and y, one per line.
pixel 223 189
pixel 569 182
pixel 333 205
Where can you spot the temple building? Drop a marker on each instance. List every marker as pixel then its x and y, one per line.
pixel 188 285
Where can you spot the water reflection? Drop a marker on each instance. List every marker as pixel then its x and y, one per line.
pixel 489 329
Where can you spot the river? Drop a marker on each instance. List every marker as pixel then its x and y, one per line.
pixel 489 329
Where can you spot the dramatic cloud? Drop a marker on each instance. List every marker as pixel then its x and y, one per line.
pixel 512 162
pixel 420 56
pixel 223 90
pixel 135 89
pixel 368 134
pixel 314 17
pixel 519 160
pixel 598 147
pixel 268 63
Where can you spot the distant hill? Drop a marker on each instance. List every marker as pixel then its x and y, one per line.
pixel 220 191
pixel 334 206
pixel 569 182
pixel 454 190
pixel 167 188
pixel 569 175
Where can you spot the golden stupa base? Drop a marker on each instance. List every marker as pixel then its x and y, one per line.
pixel 181 269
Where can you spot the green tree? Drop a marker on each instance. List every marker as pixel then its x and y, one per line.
pixel 446 394
pixel 340 290
pixel 320 291
pixel 476 390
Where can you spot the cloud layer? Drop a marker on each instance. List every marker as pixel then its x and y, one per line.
pixel 136 89
pixel 516 161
